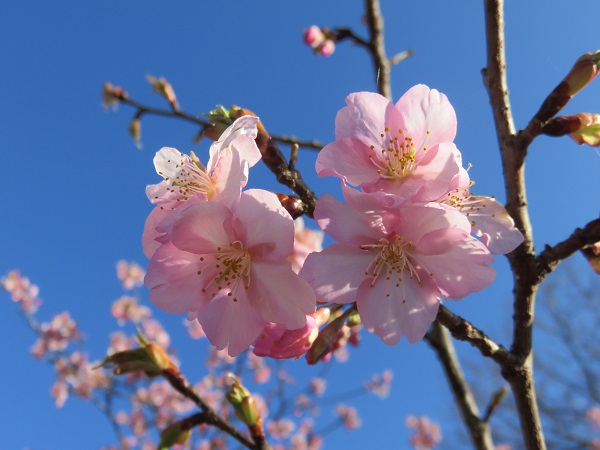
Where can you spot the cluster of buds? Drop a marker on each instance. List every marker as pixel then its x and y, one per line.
pixel 322 40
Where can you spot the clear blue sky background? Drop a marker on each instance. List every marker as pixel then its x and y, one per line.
pixel 73 183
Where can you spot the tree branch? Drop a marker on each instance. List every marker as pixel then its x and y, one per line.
pixel 465 331
pixel 581 238
pixel 478 429
pixel 381 64
pixel 522 260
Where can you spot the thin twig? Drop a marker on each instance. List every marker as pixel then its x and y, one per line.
pixel 381 64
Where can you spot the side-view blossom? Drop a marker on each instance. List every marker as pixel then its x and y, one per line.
pixel 186 178
pixel 395 263
pixel 229 269
pixel 277 342
pixel 404 149
pixel 489 219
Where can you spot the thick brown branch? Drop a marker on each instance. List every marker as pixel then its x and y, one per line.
pixel 478 429
pixel 513 150
pixel 581 238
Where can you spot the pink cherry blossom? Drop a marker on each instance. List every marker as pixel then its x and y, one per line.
pixel 404 149
pixel 127 309
pixel 22 291
pixel 380 384
pixel 427 433
pixel 313 36
pixel 130 274
pixel 349 416
pixel 229 268
pixel 395 263
pixel 56 335
pixel 186 178
pixel 593 415
pixel 306 241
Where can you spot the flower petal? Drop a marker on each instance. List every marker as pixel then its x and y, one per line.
pixel 336 273
pixel 437 170
pixel 494 225
pixel 364 118
pixel 347 159
pixel 457 261
pixel 173 281
pixel 264 226
pixel 279 295
pixel 202 228
pixel 424 109
pixel 231 324
pixel 392 312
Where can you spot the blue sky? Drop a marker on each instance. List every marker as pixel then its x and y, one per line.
pixel 73 190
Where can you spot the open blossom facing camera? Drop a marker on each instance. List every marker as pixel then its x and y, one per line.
pixel 404 149
pixel 395 263
pixel 229 268
pixel 187 179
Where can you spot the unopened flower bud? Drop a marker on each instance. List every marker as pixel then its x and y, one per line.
pixel 162 87
pixel 589 131
pixel 173 435
pixel 583 72
pixel 583 128
pixel 292 204
pixel 325 340
pixel 150 358
pixel 111 95
pixel 242 401
pixel 326 48
pixel 135 130
pixel 220 119
pixel 313 36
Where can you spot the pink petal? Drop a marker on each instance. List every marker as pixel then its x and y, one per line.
pixel 168 162
pixel 173 280
pixel 457 261
pixel 364 118
pixel 437 170
pixel 264 226
pixel 336 273
pixel 347 159
pixel 279 295
pixel 231 324
pixel 245 126
pixel 229 177
pixel 150 233
pixel 494 225
pixel 392 312
pixel 202 228
pixel 424 109
pixel 418 220
pixel 348 225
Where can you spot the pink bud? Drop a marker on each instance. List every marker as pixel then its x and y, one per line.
pixel 326 48
pixel 313 36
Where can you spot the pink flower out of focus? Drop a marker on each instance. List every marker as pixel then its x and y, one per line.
pixel 404 149
pixel 427 433
pixel 22 291
pixel 306 241
pixel 395 263
pixel 186 179
pixel 228 268
pixel 130 274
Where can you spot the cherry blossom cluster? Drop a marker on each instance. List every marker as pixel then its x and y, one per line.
pixel 223 255
pixel 321 40
pixel 412 232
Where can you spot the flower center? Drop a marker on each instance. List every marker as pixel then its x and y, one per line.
pixel 191 178
pixel 232 266
pixel 394 159
pixel 392 263
pixel 467 203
